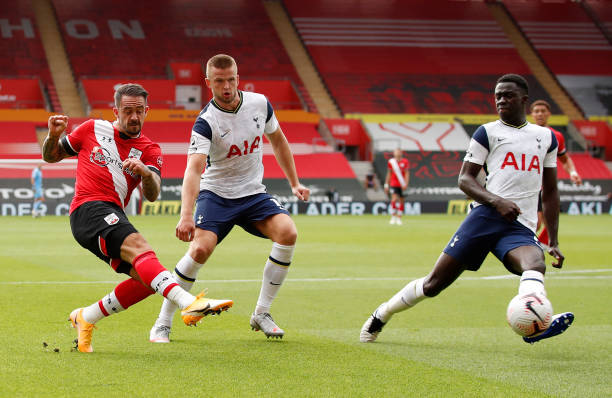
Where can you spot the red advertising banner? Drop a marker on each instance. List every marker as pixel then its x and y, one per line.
pixel 21 93
pixel 280 93
pixel 598 133
pixel 351 132
pixel 187 73
pixel 100 92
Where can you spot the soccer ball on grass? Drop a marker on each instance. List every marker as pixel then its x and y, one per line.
pixel 529 315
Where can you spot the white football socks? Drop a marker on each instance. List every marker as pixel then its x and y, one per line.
pixel 96 311
pixel 408 297
pixel 185 273
pixel 274 274
pixel 531 282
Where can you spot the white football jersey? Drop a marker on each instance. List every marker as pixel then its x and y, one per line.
pixel 233 141
pixel 515 157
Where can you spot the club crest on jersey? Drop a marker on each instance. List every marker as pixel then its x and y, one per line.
pixel 111 219
pixel 135 153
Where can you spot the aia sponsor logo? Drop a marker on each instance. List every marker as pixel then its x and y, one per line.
pixel 235 150
pixel 521 162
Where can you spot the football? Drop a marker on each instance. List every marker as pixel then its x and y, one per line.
pixel 529 315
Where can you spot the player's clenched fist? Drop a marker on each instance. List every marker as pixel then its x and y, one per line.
pixel 57 125
pixel 135 166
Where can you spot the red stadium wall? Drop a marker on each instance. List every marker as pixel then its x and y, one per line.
pixel 21 93
pixel 100 92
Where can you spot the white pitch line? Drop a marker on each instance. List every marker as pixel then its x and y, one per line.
pixel 555 275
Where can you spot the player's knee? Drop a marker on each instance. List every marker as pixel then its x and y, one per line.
pixel 539 266
pixel 137 243
pixel 431 287
pixel 287 236
pixel 200 253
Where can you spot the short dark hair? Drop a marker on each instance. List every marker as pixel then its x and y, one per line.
pixel 130 89
pixel 539 103
pixel 516 79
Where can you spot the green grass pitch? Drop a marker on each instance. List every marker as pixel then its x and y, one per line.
pixel 457 344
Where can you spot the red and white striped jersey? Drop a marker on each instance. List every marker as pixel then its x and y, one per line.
pixel 403 165
pixel 101 150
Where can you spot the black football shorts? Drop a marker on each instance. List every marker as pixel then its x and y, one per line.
pixel 101 228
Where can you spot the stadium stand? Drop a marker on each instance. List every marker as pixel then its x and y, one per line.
pixel 21 39
pixel 422 57
pixel 418 137
pixel 571 42
pixel 142 45
pixel 565 36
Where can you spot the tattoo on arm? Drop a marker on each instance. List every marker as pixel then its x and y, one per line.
pixel 52 150
pixel 151 186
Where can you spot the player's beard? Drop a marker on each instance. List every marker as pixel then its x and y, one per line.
pixel 129 129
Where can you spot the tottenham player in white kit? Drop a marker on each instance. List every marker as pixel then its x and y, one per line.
pixel 521 159
pixel 224 172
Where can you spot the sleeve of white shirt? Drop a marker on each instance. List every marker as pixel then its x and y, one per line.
pixel 478 150
pixel 550 160
pixel 201 138
pixel 271 122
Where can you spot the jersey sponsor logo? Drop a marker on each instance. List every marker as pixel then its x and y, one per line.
pixel 245 150
pixel 111 219
pixel 226 132
pixel 102 157
pixel 510 160
pixel 135 153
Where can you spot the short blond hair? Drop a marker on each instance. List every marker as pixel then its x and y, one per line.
pixel 220 61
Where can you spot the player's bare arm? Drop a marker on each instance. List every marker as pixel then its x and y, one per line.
pixel 185 229
pixel 468 183
pixel 52 150
pixel 151 183
pixel 284 157
pixel 570 168
pixel 550 210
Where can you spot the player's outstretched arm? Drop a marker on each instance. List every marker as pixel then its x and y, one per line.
pixel 468 182
pixel 185 229
pixel 570 168
pixel 52 150
pixel 284 157
pixel 550 211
